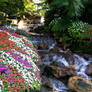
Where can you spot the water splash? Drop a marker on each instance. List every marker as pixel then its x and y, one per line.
pixel 42 39
pixel 58 85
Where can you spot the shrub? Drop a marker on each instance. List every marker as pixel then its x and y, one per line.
pixel 76 29
pixel 87 32
pixel 59 24
pixel 81 36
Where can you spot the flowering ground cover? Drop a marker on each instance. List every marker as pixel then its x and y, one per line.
pixel 19 62
pixel 14 29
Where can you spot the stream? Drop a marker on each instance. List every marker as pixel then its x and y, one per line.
pixel 62 58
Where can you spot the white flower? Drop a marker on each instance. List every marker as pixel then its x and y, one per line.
pixel 1 83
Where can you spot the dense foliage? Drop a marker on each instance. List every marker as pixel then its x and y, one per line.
pixel 67 20
pixel 18 8
pixel 76 29
pixel 11 7
pixel 63 9
pixel 87 12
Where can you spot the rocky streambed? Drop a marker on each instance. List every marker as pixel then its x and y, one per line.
pixel 63 71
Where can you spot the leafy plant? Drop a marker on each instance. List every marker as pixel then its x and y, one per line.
pixel 59 24
pixel 11 7
pixel 61 13
pixel 71 8
pixel 65 38
pixel 87 32
pixel 75 30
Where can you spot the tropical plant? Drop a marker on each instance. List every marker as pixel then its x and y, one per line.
pixel 59 24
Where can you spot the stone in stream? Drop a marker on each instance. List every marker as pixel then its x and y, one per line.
pixel 89 70
pixel 55 49
pixel 55 91
pixel 43 46
pixel 79 84
pixel 87 56
pixel 46 82
pixel 60 72
pixel 45 89
pixel 54 63
pixel 47 86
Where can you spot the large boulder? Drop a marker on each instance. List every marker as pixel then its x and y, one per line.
pixel 18 63
pixel 79 84
pixel 60 72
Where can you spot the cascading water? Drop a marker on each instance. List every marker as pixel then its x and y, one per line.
pixel 49 57
pixel 58 85
pixel 46 40
pixel 81 65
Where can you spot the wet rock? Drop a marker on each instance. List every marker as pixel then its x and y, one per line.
pixel 45 89
pixel 48 84
pixel 59 72
pixel 89 70
pixel 79 84
pixel 69 57
pixel 55 91
pixel 54 63
pixel 85 56
pixel 43 46
pixel 55 49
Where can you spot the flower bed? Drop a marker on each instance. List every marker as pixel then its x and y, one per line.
pixel 14 29
pixel 18 63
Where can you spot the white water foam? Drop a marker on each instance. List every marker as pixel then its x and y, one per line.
pixel 58 85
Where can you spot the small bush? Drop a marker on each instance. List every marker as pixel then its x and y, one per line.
pixel 87 32
pixel 76 29
pixel 81 34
